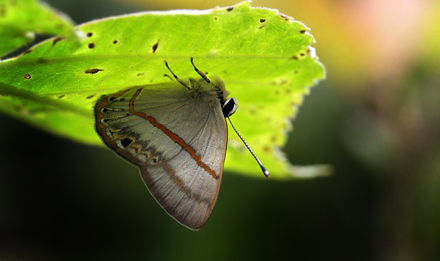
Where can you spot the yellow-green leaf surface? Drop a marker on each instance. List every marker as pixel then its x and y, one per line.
pixel 19 19
pixel 263 57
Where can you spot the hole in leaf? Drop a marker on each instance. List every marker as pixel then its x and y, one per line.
pixel 27 76
pixel 93 71
pixel 155 46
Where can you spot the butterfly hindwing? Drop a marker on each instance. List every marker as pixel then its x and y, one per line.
pixel 177 137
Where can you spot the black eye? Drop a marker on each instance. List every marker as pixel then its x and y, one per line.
pixel 229 107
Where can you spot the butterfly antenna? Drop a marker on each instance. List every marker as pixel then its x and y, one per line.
pixel 265 172
pixel 200 72
pixel 177 78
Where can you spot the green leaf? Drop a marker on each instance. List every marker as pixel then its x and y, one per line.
pixel 19 19
pixel 263 57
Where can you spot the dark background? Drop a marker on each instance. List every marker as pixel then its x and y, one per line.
pixel 375 119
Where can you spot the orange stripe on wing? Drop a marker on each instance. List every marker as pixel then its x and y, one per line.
pixel 172 135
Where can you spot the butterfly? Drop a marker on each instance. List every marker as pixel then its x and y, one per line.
pixel 177 136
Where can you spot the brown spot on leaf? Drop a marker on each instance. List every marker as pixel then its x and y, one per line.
pixel 302 31
pixel 115 41
pixel 294 57
pixel 154 47
pixel 215 18
pixel 42 60
pixel 94 70
pixel 56 40
pixel 89 34
pixel 59 26
pixel 286 18
pixel 90 96
pixel 91 45
pixel 267 149
pixel 229 9
pixel 61 96
pixel 27 76
pixel 2 10
pixel 302 54
pixel 262 20
pixel 139 74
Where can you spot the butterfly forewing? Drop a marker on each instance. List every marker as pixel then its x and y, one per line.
pixel 177 137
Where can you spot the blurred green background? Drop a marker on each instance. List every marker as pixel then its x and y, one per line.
pixel 376 119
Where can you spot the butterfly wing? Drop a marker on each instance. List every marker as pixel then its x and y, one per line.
pixel 178 140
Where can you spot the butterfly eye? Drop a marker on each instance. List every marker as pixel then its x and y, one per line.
pixel 230 107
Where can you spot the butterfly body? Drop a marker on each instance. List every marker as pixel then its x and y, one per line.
pixel 176 136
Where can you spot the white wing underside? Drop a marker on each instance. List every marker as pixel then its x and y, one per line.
pixel 175 176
